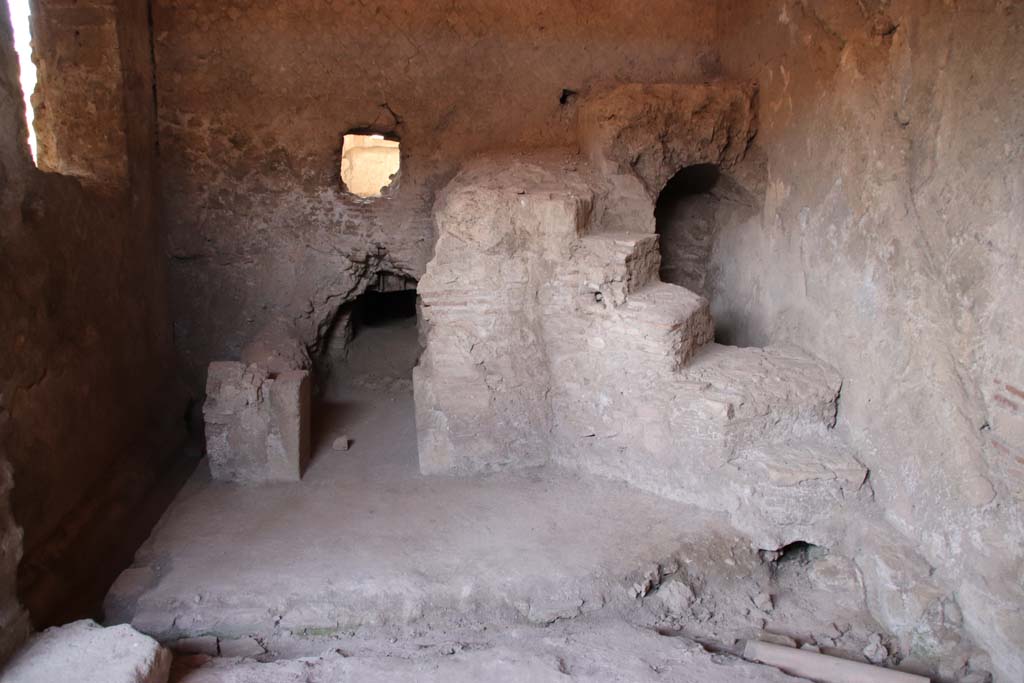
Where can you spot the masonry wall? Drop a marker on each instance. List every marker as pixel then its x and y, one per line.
pixel 877 222
pixel 14 164
pixel 254 98
pixel 890 244
pixel 89 412
pixel 79 70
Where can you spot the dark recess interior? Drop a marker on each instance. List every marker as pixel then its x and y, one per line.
pixel 374 309
pixel 368 334
pixel 685 219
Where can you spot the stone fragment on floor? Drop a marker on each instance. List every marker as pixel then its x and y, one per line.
pixel 85 652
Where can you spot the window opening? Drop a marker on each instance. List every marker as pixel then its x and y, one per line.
pixel 369 164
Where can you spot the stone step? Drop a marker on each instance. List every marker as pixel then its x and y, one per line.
pixel 664 322
pixel 595 649
pixel 604 268
pixel 795 490
pixel 653 333
pixel 764 392
pixel 675 433
pixel 618 263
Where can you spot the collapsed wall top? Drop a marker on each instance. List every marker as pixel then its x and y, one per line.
pixel 653 130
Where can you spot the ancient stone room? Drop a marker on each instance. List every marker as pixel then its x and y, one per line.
pixel 478 340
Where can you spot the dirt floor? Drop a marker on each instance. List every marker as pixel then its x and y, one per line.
pixel 511 576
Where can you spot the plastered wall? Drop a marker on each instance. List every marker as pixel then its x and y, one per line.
pixel 879 225
pixel 255 96
pixel 890 244
pixel 88 409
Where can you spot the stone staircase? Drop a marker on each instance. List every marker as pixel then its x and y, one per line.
pixel 623 365
pixel 749 429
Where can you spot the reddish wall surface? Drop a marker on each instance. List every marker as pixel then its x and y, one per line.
pixel 86 377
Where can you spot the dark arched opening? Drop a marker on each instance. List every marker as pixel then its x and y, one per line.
pixel 373 340
pixel 685 216
pixel 364 364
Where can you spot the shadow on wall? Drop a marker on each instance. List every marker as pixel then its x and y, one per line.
pixel 696 203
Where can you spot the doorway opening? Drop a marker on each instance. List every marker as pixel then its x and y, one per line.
pixel 373 343
pixel 384 344
pixel 364 374
pixel 699 215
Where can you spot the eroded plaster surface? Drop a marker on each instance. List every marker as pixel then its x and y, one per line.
pixel 88 406
pixel 869 213
pixel 890 244
pixel 254 100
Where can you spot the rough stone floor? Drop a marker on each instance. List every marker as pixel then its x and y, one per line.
pixel 609 651
pixel 521 576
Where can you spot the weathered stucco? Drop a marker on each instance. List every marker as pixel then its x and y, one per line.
pixel 254 99
pixel 890 244
pixel 14 163
pixel 88 411
pixel 874 219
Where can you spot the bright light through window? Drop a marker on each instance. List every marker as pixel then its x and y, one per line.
pixel 23 45
pixel 369 164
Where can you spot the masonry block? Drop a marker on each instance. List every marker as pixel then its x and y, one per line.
pixel 257 425
pixel 86 652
